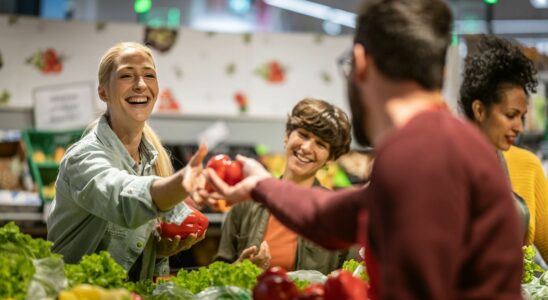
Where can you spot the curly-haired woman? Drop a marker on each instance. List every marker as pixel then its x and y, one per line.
pixel 497 81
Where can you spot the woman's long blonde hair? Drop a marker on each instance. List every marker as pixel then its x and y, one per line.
pixel 163 166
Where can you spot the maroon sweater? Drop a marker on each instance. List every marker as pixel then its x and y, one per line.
pixel 441 220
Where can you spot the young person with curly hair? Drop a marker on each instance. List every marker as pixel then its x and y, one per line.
pixel 316 133
pixel 497 81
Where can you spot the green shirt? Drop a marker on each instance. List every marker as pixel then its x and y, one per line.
pixel 103 202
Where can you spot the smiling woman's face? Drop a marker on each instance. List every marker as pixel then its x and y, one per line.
pixel 503 121
pixel 132 88
pixel 306 153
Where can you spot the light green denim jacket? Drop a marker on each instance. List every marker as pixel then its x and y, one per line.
pixel 103 202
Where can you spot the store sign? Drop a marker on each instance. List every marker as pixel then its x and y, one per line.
pixel 64 107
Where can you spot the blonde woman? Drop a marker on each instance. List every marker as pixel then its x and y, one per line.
pixel 118 179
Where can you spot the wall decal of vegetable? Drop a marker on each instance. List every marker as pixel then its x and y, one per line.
pixel 230 69
pixel 326 77
pixel 5 97
pixel 47 61
pixel 161 39
pixel 241 100
pixel 272 71
pixel 166 102
pixel 100 26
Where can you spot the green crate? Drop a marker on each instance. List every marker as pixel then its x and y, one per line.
pixel 44 157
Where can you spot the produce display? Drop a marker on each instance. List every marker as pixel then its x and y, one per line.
pixel 29 270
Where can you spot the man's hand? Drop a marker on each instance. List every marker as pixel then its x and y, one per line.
pixel 166 247
pixel 253 172
pixel 260 259
pixel 193 177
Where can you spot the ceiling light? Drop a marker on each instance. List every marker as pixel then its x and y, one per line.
pixel 316 10
pixel 539 3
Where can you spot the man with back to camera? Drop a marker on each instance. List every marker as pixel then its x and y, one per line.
pixel 440 221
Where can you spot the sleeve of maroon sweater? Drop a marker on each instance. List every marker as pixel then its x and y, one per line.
pixel 328 218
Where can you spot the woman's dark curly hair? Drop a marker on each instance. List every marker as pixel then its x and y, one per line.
pixel 496 64
pixel 324 120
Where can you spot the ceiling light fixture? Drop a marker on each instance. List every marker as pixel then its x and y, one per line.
pixel 539 3
pixel 316 10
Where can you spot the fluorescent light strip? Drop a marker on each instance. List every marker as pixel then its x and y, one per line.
pixel 504 27
pixel 316 10
pixel 539 3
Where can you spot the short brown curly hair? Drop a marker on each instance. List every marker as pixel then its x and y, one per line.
pixel 324 120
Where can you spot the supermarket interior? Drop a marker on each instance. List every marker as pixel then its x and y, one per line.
pixel 229 72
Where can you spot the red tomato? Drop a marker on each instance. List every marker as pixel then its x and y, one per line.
pixel 316 289
pixel 234 172
pixel 273 271
pixel 218 163
pixel 196 222
pixel 275 287
pixel 228 170
pixel 343 286
pixel 312 292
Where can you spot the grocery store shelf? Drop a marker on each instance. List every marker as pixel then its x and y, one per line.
pixel 214 118
pixel 21 216
pixel 48 164
pixel 14 199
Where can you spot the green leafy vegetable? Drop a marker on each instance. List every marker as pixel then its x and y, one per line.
pixel 351 265
pixel 243 274
pixel 301 283
pixel 143 287
pixel 530 267
pixel 17 251
pixel 13 241
pixel 96 269
pixel 15 274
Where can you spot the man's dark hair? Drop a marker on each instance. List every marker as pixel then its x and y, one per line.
pixel 407 39
pixel 494 65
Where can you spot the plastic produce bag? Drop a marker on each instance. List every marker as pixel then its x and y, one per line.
pixel 48 279
pixel 171 291
pixel 311 276
pixel 534 290
pixel 224 293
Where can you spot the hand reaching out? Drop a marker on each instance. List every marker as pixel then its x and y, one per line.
pixel 193 177
pixel 261 258
pixel 253 173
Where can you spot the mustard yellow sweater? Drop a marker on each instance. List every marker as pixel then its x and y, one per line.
pixel 529 181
